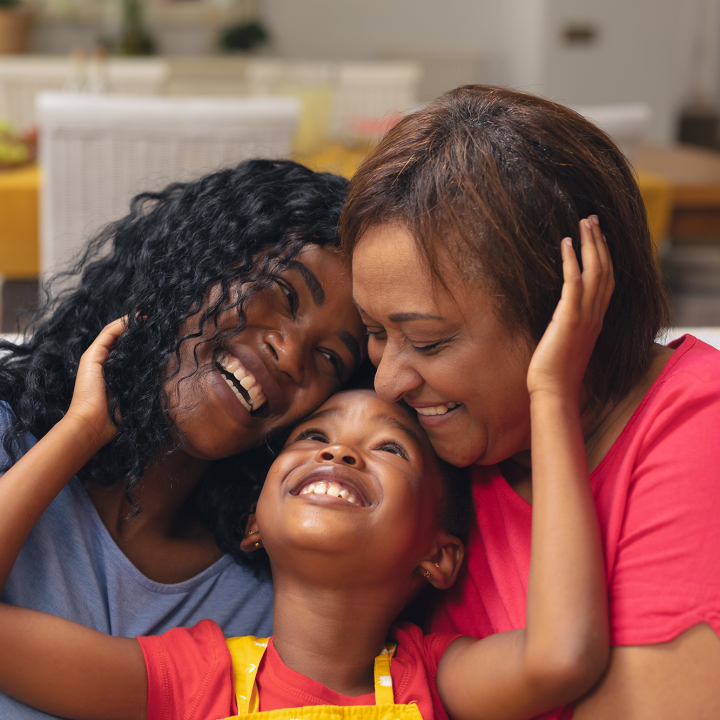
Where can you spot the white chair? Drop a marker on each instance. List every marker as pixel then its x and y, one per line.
pixel 627 124
pixel 22 78
pixel 98 151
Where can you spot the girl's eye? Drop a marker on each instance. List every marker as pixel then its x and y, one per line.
pixel 312 434
pixel 394 448
pixel 290 295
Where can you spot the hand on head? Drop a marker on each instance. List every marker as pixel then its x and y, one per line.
pixel 560 360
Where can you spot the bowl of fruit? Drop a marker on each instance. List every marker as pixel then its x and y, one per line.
pixel 16 149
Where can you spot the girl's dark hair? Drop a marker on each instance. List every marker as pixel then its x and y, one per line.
pixel 492 180
pixel 156 266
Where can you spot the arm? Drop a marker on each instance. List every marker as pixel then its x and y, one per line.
pixel 563 649
pixel 50 663
pixel 677 679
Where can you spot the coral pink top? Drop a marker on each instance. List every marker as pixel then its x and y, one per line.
pixel 657 493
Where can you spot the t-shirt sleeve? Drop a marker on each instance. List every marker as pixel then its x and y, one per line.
pixel 426 651
pixel 666 573
pixel 190 674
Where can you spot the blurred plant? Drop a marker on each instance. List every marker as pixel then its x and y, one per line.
pixel 9 3
pixel 244 36
pixel 134 39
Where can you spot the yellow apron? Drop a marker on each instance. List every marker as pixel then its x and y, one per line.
pixel 246 653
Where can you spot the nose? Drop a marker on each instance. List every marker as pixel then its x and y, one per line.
pixel 288 352
pixel 395 377
pixel 340 454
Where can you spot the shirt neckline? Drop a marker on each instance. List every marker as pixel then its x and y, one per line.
pixel 78 490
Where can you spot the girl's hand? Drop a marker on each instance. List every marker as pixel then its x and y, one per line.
pixel 559 362
pixel 89 406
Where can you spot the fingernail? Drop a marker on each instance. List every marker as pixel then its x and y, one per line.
pixel 568 241
pixel 604 239
pixel 587 224
pixel 595 219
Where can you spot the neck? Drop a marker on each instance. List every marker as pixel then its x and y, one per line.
pixel 600 429
pixel 161 492
pixel 332 635
pixel 165 541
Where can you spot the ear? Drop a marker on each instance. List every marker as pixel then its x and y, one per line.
pixel 441 568
pixel 252 540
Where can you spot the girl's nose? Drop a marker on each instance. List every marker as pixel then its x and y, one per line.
pixel 288 352
pixel 340 454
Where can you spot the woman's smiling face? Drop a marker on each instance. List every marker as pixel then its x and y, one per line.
pixel 302 341
pixel 444 352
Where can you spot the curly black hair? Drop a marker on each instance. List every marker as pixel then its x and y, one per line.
pixel 234 228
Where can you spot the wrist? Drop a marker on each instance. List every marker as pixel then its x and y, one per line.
pixel 83 433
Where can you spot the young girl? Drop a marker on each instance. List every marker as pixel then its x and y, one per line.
pixel 240 322
pixel 352 518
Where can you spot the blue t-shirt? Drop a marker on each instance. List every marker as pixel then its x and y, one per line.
pixel 71 567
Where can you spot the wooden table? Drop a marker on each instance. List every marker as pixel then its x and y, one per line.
pixel 694 174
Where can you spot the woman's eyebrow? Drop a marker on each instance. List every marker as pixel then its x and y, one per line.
pixel 405 317
pixel 313 284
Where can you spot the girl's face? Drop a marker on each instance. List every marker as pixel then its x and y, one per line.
pixel 302 341
pixel 356 485
pixel 443 352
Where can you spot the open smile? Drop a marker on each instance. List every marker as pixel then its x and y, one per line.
pixel 331 482
pixel 241 381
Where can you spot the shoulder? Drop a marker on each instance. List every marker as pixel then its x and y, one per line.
pixel 414 646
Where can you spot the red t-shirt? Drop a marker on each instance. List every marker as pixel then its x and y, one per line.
pixel 190 675
pixel 657 493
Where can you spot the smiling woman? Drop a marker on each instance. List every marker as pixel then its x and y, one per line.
pixel 454 224
pixel 239 321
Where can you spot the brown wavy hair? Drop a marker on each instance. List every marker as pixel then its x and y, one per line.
pixel 492 180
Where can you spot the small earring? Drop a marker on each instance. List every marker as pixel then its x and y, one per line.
pixel 253 532
pixel 257 544
pixel 437 565
pixel 426 574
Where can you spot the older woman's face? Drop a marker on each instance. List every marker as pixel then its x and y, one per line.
pixel 444 352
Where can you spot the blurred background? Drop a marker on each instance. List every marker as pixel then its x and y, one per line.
pixel 100 99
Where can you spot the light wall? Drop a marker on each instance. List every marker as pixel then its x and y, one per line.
pixel 644 50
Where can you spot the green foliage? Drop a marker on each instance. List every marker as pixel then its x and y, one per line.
pixel 244 36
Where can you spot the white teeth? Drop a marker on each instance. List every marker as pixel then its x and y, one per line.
pixel 247 381
pixel 332 489
pixel 437 409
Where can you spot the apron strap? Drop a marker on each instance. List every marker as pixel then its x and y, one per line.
pixel 384 694
pixel 246 654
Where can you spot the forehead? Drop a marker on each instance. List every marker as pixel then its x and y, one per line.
pixel 363 409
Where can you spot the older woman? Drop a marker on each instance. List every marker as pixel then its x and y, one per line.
pixel 454 224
